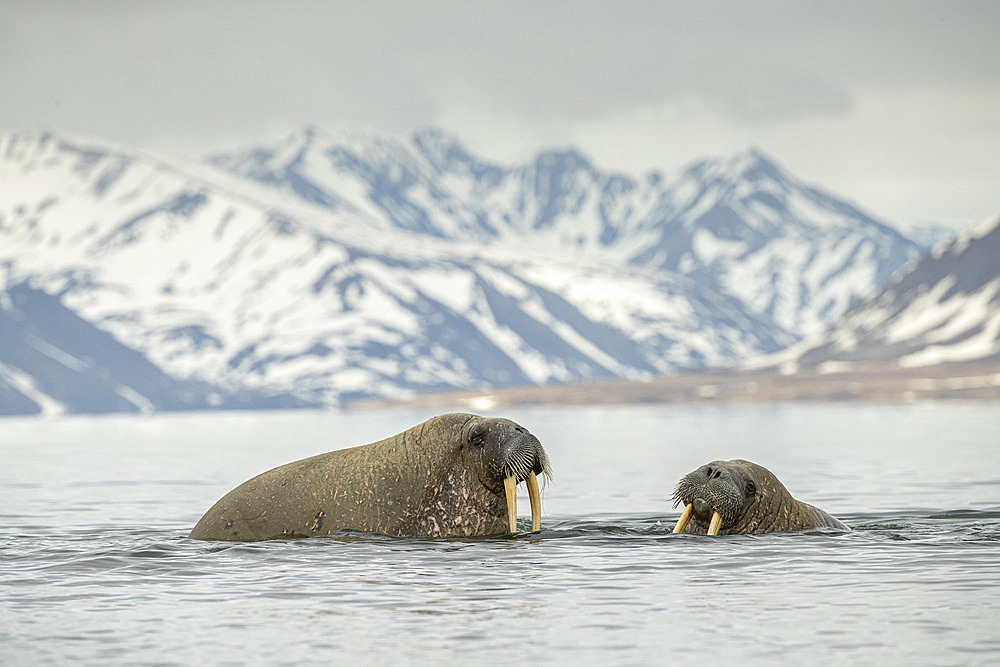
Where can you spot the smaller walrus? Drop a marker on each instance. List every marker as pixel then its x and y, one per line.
pixel 453 475
pixel 742 498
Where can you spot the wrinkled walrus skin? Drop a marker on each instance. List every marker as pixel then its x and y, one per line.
pixel 749 500
pixel 444 477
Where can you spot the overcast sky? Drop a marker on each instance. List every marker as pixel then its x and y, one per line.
pixel 895 106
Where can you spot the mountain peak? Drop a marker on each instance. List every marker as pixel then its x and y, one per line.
pixel 983 228
pixel 563 159
pixel 749 165
pixel 307 135
pixel 38 141
pixel 754 165
pixel 435 136
pixel 309 138
pixel 442 149
pixel 958 244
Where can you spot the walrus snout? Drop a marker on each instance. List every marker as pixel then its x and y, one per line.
pixel 716 472
pixel 712 494
pixel 523 455
pixel 507 449
pixel 524 459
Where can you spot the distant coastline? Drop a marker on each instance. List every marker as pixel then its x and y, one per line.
pixel 877 383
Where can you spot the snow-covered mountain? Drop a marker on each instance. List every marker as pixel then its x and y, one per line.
pixel 787 250
pixel 930 234
pixel 242 291
pixel 52 361
pixel 346 265
pixel 743 227
pixel 945 309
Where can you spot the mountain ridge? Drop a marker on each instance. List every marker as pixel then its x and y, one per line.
pixel 331 273
pixel 946 308
pixel 52 361
pixel 932 333
pixel 716 212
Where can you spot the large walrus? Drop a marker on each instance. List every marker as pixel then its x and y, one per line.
pixel 740 497
pixel 453 475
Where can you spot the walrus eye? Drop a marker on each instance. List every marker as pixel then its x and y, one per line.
pixel 477 435
pixel 751 488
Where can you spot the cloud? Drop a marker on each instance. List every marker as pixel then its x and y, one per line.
pixel 139 65
pixel 636 83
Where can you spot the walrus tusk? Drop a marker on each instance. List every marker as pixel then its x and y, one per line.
pixel 713 527
pixel 685 518
pixel 510 486
pixel 536 502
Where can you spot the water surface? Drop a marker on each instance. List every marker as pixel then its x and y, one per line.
pixel 95 565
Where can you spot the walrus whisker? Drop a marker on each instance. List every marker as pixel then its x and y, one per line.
pixel 521 464
pixel 685 518
pixel 713 527
pixel 513 464
pixel 680 495
pixel 536 502
pixel 510 487
pixel 545 466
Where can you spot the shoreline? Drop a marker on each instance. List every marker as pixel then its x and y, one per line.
pixel 841 383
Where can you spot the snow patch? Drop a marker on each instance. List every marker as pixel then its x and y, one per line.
pixel 25 384
pixel 924 313
pixel 709 247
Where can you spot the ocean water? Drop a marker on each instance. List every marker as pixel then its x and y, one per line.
pixel 96 568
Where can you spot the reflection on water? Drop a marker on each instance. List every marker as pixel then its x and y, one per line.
pixel 95 564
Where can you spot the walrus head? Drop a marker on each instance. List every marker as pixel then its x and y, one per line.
pixel 719 494
pixel 504 454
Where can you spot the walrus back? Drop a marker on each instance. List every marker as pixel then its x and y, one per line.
pixel 822 519
pixel 325 493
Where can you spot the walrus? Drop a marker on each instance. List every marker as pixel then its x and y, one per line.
pixel 742 498
pixel 454 475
